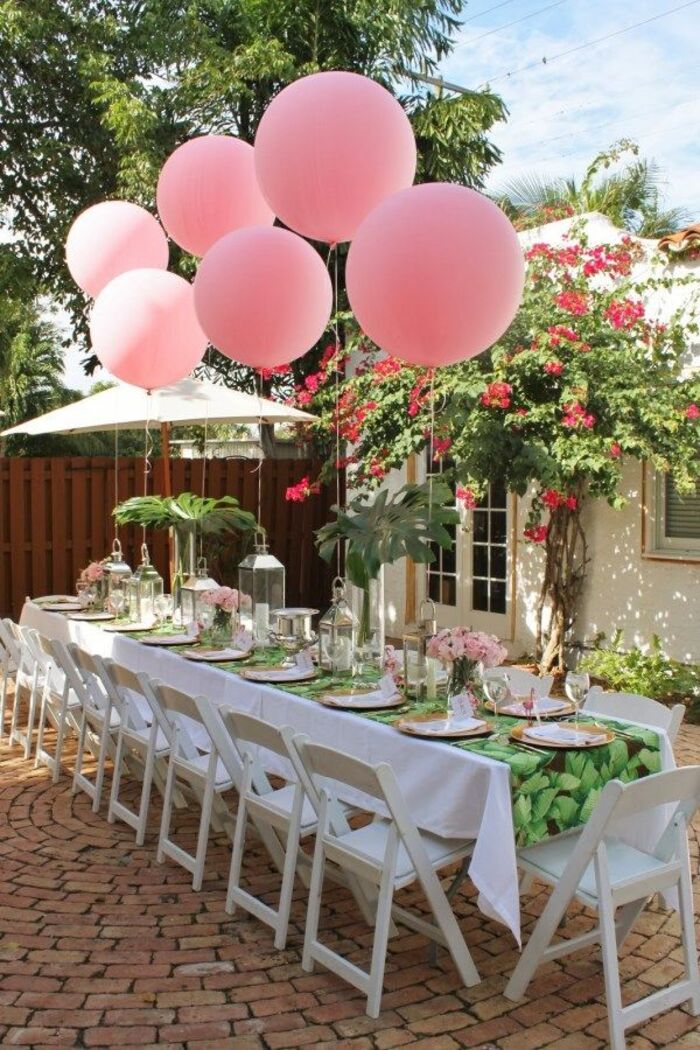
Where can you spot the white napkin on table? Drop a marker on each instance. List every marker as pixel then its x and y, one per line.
pixel 543 704
pixel 561 735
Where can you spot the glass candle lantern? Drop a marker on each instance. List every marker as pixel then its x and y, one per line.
pixel 261 579
pixel 192 590
pixel 117 572
pixel 142 589
pixel 420 670
pixel 337 634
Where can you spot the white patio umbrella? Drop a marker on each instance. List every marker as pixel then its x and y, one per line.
pixel 191 401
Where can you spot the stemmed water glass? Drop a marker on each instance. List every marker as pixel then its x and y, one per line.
pixel 163 607
pixel 117 601
pixel 497 689
pixel 577 685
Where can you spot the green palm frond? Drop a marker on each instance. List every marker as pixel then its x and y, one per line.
pixel 206 514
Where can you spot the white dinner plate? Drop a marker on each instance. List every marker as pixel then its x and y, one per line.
pixel 62 607
pixel 168 639
pixel 277 674
pixel 361 701
pixel 213 656
pixel 129 628
pixel 91 617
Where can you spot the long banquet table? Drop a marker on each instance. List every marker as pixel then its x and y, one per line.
pixel 451 792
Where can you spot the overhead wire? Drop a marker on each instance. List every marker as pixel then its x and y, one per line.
pixel 507 25
pixel 548 59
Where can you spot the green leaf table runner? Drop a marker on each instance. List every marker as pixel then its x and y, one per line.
pixel 552 789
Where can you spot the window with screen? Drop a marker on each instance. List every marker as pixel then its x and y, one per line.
pixel 675 519
pixel 442 573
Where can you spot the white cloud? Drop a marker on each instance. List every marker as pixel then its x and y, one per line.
pixel 640 85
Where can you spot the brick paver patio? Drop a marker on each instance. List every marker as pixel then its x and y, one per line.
pixel 102 946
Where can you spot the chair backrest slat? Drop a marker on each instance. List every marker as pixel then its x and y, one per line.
pixel 335 765
pixel 633 707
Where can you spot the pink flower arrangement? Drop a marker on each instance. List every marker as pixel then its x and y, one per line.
pixel 93 572
pixel 224 598
pixel 458 643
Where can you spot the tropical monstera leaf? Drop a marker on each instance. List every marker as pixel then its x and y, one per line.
pixel 405 524
pixel 187 510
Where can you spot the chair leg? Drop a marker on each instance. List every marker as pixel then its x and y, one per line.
pixel 42 723
pixel 205 821
pixel 290 864
pixel 690 950
pixel 16 703
pixel 116 778
pixel 101 760
pixel 611 971
pixel 31 715
pixel 3 697
pixel 234 876
pixel 167 806
pixel 145 797
pixel 60 734
pixel 539 940
pixel 381 939
pixel 526 883
pixel 445 918
pixel 78 770
pixel 315 891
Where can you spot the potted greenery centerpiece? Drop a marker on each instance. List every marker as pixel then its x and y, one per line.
pixel 405 524
pixel 187 515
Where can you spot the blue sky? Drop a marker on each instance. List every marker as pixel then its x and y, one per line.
pixel 643 84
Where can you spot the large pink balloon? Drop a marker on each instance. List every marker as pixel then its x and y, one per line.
pixel 111 238
pixel 328 149
pixel 263 296
pixel 207 188
pixel 435 274
pixel 144 328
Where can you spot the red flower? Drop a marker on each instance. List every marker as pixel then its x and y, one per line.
pixel 557 332
pixel 575 415
pixel 440 447
pixel 692 412
pixel 419 394
pixel 554 368
pixel 497 395
pixel 313 381
pixel 571 503
pixel 302 490
pixel 521 412
pixel 388 366
pixel 551 498
pixel 278 370
pixel 536 533
pixel 615 450
pixel 466 496
pixel 304 397
pixel 624 313
pixel 573 302
pixel 328 357
pixel 377 469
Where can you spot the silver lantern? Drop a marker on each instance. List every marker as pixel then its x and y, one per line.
pixel 192 590
pixel 261 579
pixel 142 589
pixel 420 671
pixel 117 572
pixel 337 632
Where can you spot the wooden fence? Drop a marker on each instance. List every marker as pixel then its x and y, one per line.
pixel 56 516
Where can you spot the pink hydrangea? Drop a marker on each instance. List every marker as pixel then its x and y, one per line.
pixel 225 598
pixel 458 643
pixel 93 572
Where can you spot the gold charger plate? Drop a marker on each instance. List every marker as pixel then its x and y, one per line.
pixel 268 675
pixel 128 628
pixel 92 617
pixel 329 700
pixel 206 655
pixel 600 736
pixel 566 709
pixel 168 639
pixel 411 726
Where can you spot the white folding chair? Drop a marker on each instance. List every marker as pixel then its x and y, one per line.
pixel 521 681
pixel 389 854
pixel 9 665
pixel 202 770
pixel 98 718
pixel 632 707
pixel 29 682
pixel 138 736
pixel 605 873
pixel 287 810
pixel 60 704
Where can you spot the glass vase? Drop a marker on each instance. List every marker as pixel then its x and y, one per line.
pixel 462 680
pixel 219 635
pixel 368 605
pixel 184 560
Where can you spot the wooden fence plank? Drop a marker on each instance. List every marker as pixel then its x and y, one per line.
pixel 56 516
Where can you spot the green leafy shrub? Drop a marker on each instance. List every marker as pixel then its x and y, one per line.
pixel 649 673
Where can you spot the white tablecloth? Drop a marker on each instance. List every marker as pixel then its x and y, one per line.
pixel 450 792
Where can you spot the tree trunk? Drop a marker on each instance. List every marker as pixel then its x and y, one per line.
pixel 564 574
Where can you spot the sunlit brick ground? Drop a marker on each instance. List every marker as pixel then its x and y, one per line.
pixel 100 946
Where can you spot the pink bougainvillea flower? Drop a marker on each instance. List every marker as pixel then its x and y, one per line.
pixel 497 395
pixel 302 490
pixel 575 303
pixel 536 533
pixel 554 368
pixel 624 313
pixel 692 411
pixel 466 496
pixel 615 450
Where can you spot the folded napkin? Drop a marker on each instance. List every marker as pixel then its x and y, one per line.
pixel 376 698
pixel 281 674
pixel 543 704
pixel 215 655
pixel 562 735
pixel 443 725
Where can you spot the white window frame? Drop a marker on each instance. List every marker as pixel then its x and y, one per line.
pixel 656 543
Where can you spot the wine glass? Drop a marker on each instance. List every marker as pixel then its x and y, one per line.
pixel 163 607
pixel 81 590
pixel 577 685
pixel 205 616
pixel 497 689
pixel 117 601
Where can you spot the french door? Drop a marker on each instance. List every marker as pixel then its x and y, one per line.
pixel 471 582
